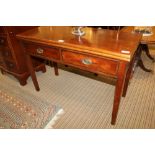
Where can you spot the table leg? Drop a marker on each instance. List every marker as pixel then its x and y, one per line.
pixel 146 49
pixel 55 65
pixel 118 90
pixel 141 65
pixel 139 60
pixel 32 72
pixel 130 72
pixel 126 83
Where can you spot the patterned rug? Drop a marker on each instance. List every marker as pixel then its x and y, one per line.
pixel 26 111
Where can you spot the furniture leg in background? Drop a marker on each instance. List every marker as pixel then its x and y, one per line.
pixel 146 49
pixel 55 65
pixel 139 60
pixel 52 64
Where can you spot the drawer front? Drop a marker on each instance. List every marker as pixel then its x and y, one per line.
pixel 91 63
pixel 11 66
pixel 3 41
pixel 43 52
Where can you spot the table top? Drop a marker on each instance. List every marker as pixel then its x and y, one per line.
pixel 107 43
pixel 145 39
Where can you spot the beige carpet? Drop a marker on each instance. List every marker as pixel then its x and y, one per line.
pixel 87 103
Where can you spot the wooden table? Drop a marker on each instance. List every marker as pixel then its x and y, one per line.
pixel 145 41
pixel 103 52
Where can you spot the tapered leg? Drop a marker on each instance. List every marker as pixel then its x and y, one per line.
pixel 131 70
pixel 126 83
pixel 118 90
pixel 55 68
pixel 32 72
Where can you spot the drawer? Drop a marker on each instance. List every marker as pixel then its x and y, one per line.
pixel 43 52
pixel 3 41
pixel 91 63
pixel 11 66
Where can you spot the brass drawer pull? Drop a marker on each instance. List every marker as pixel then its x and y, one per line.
pixel 87 61
pixel 11 32
pixel 40 51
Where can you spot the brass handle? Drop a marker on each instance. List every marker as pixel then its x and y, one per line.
pixel 40 51
pixel 11 32
pixel 87 61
